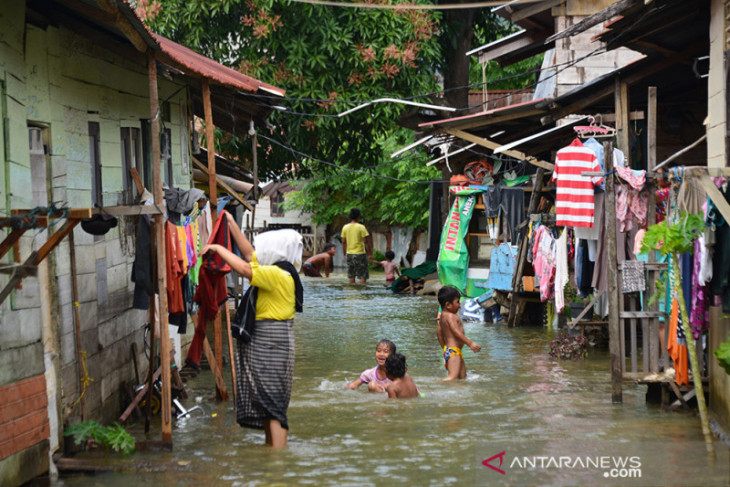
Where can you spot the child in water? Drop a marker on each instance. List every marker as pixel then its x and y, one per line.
pixel 376 378
pixel 402 386
pixel 390 267
pixel 451 335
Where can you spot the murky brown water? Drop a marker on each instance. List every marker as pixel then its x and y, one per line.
pixel 516 400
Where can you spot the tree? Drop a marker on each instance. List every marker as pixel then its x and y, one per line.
pixel 323 57
pixel 330 59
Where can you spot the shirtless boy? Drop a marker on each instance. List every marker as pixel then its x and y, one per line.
pixel 323 261
pixel 450 333
pixel 402 386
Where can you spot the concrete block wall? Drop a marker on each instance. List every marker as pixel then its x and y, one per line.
pixel 580 48
pixel 55 79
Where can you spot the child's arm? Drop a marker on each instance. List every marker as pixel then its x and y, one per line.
pixel 440 334
pixel 354 384
pixel 397 271
pixel 457 330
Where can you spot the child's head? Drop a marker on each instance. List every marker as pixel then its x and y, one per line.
pixel 385 345
pixel 330 248
pixel 448 297
pixel 355 214
pixel 395 366
pixel 389 255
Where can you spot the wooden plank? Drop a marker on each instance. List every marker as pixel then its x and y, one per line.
pixel 213 189
pixel 19 269
pixel 641 314
pixel 234 194
pixel 56 239
pixel 594 19
pixel 531 10
pixel 494 145
pixel 138 398
pixel 10 240
pixel 680 397
pixel 159 236
pixel 24 440
pixel 654 341
pixel 129 210
pixel 651 266
pixel 137 181
pixel 679 153
pixel 585 310
pixel 131 466
pixel 217 375
pixel 634 348
pixel 614 331
pixel 622 119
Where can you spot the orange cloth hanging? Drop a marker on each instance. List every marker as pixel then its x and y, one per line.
pixel 677 352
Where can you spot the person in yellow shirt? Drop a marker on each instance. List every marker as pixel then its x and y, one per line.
pixel 265 365
pixel 357 247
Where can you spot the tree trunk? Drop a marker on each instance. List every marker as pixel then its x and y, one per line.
pixel 456 72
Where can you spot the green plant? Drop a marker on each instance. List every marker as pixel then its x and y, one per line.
pixel 377 255
pixel 566 347
pixel 722 353
pixel 672 240
pixel 114 437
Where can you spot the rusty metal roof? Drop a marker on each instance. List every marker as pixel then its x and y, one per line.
pixel 206 67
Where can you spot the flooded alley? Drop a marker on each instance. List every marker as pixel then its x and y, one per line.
pixel 516 400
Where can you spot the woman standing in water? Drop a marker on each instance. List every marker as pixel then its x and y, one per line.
pixel 265 365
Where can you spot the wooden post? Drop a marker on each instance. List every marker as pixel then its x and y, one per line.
pixel 614 332
pixel 160 245
pixel 522 253
pixel 254 151
pixel 622 119
pixel 77 315
pixel 655 349
pixel 213 188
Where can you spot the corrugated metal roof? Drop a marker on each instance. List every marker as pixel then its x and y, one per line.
pixel 210 69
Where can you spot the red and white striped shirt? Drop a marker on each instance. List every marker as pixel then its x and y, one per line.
pixel 575 193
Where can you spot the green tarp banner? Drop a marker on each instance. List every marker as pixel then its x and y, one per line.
pixel 453 258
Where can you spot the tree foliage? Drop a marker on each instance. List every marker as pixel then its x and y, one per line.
pixel 328 60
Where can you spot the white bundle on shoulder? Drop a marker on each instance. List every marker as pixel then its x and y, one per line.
pixel 278 245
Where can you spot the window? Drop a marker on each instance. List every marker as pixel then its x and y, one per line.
pixel 131 152
pixel 95 158
pixel 166 157
pixel 277 204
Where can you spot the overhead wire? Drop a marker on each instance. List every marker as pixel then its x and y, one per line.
pixel 386 6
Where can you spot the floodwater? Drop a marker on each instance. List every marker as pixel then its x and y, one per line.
pixel 553 420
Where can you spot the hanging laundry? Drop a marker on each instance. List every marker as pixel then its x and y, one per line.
pixel 492 198
pixel 181 202
pixel 699 316
pixel 561 269
pixel 633 276
pixel 175 269
pixel 597 148
pixel 142 272
pixel 544 262
pixel 631 205
pixel 212 291
pixel 574 199
pixel 513 207
pixel 635 178
pixel 677 345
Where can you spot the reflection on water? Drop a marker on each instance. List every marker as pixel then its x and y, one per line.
pixel 516 399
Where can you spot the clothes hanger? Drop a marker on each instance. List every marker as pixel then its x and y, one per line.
pixel 594 130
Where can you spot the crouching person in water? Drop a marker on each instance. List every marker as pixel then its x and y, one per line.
pixel 265 365
pixel 401 386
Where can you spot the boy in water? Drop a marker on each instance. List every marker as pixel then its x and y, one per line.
pixel 315 264
pixel 450 333
pixel 402 386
